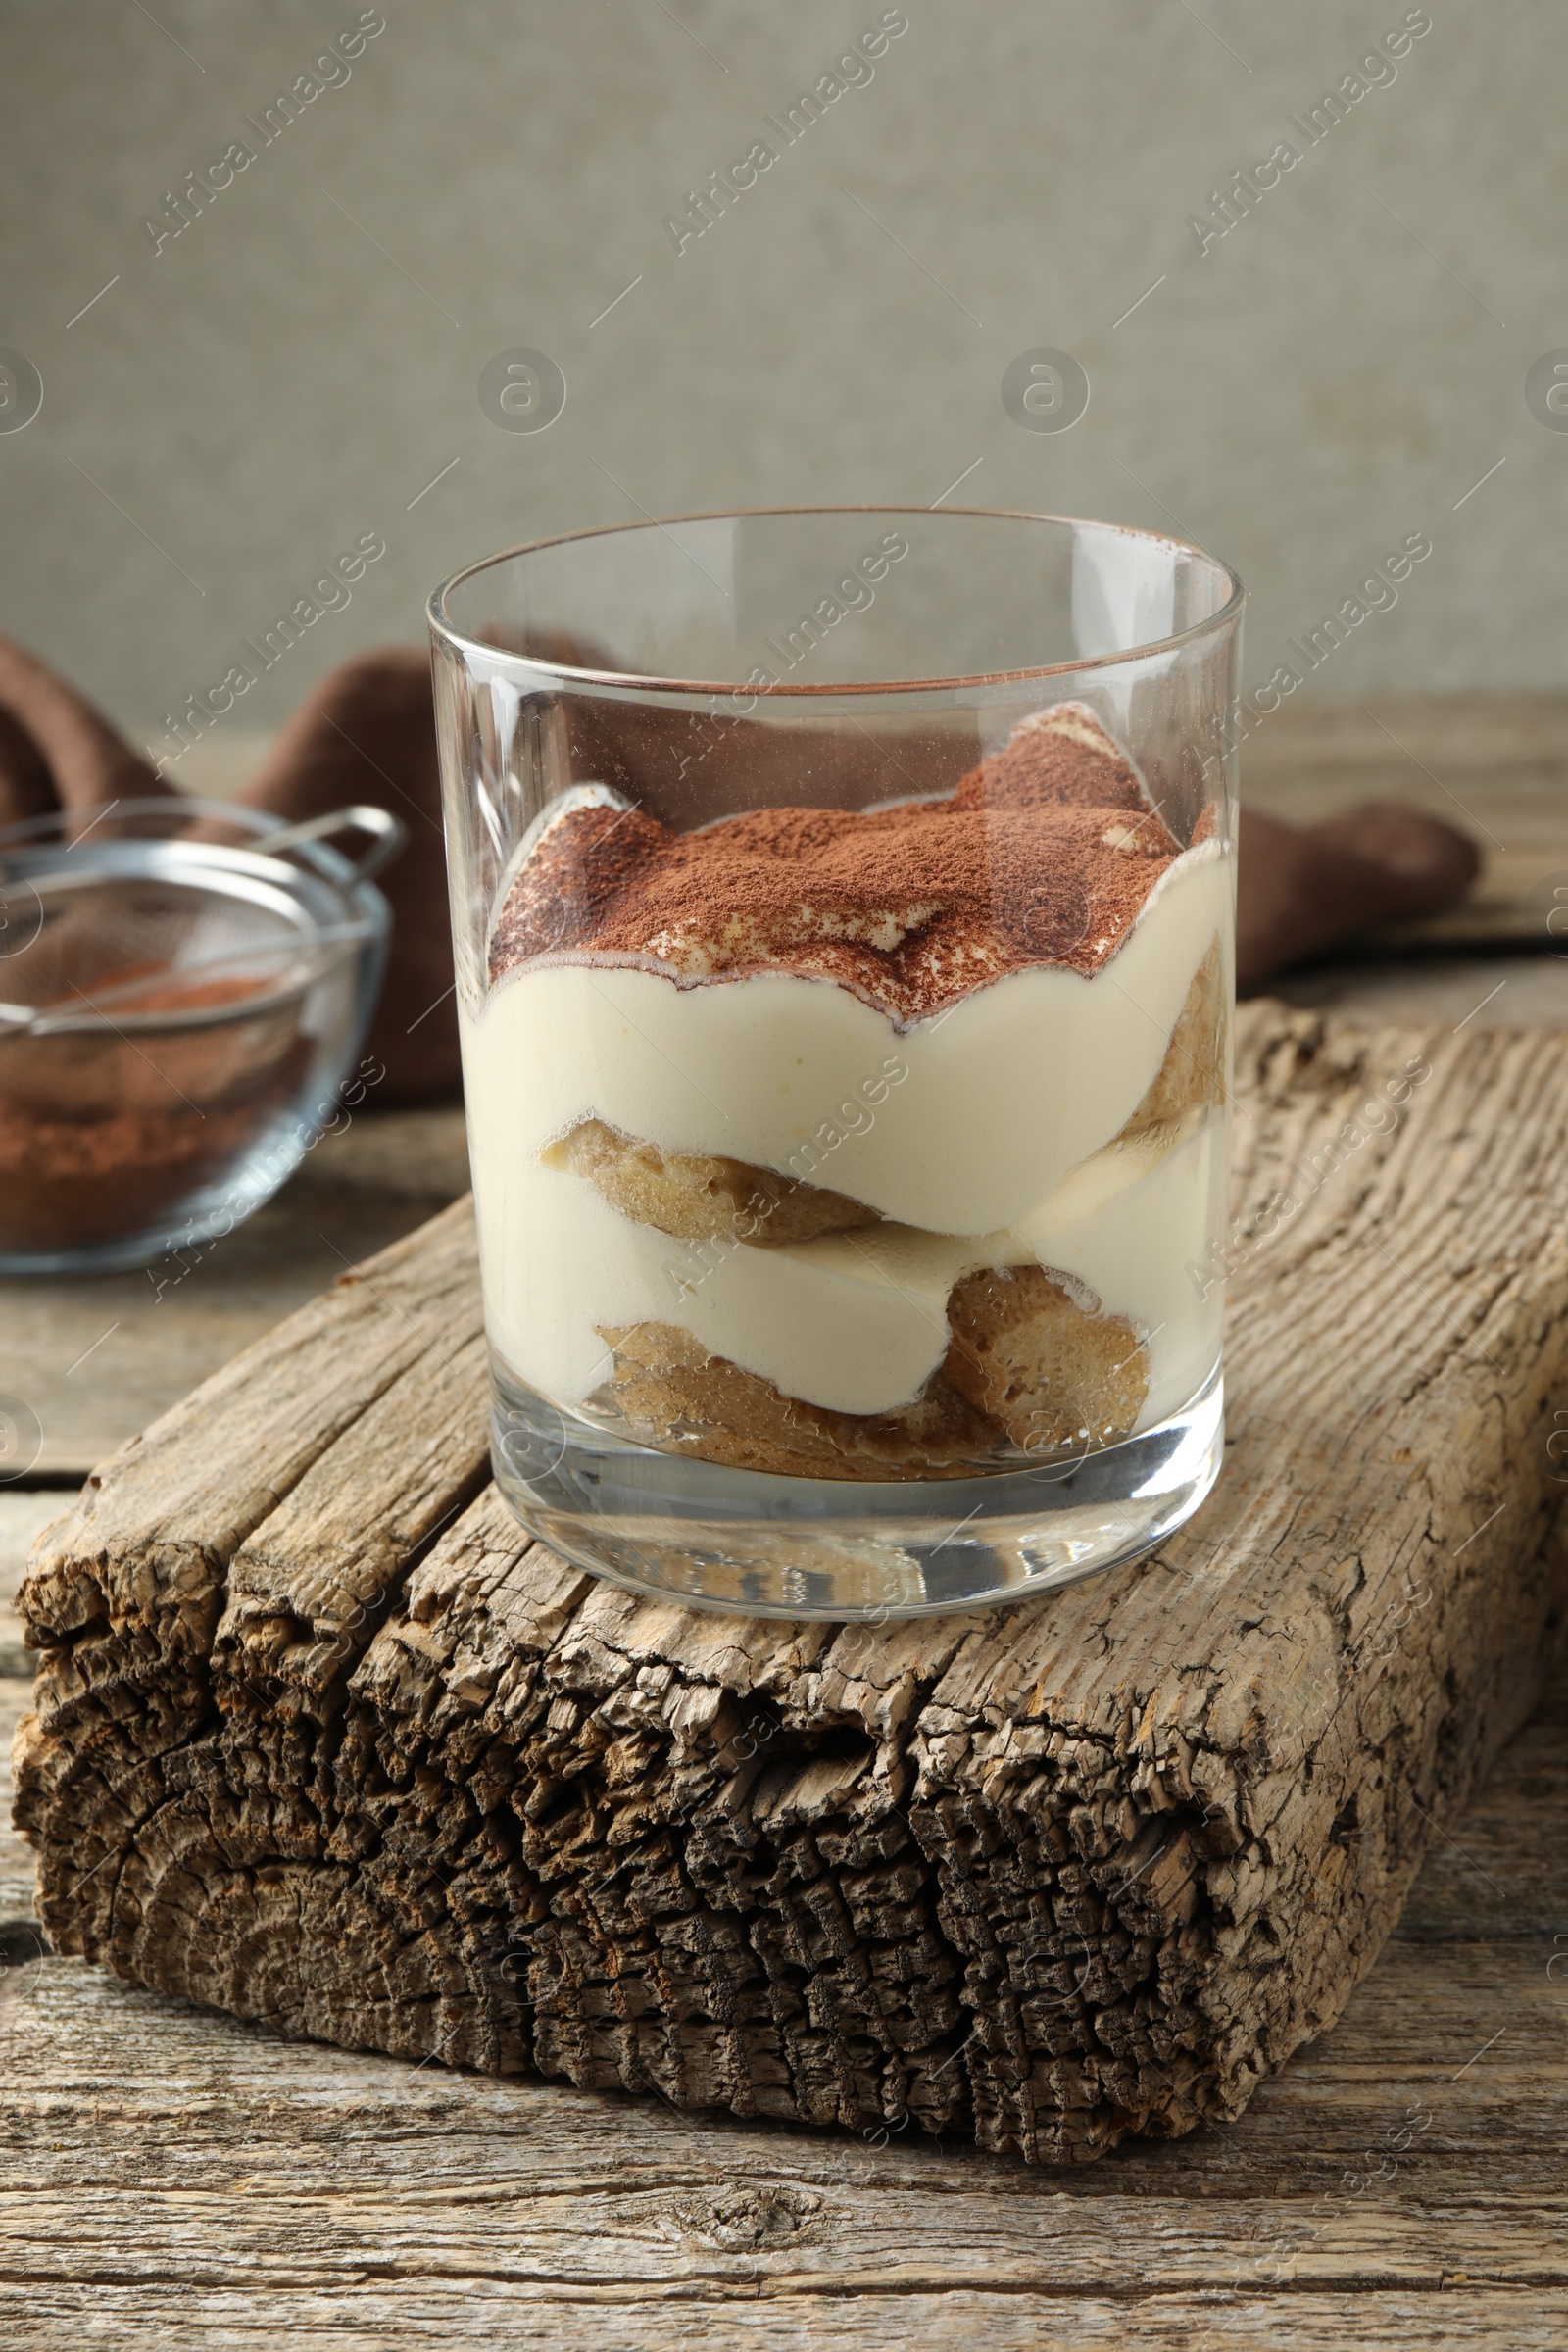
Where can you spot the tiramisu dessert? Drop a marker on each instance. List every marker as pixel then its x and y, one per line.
pixel 861 1144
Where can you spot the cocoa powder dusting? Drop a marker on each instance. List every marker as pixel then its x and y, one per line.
pixel 1044 854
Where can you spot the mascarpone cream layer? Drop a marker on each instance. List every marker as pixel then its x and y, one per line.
pixel 963 1125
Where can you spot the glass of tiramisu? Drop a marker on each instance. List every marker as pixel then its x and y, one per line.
pixel 844 902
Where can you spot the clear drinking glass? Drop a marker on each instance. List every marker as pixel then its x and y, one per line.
pixel 842 902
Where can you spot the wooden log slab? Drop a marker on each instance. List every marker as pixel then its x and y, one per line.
pixel 323 1740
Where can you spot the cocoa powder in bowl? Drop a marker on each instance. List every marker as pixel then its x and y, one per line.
pixel 104 1133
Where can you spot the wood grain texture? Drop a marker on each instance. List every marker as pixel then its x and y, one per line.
pixel 1494 764
pixel 1492 991
pixel 1044 1876
pixel 177 2177
pixel 24 1516
pixel 93 1360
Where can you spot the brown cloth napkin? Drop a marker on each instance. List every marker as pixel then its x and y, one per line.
pixel 367 733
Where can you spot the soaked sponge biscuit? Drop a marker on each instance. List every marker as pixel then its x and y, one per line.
pixel 673 1394
pixel 1048 1371
pixel 700 1197
pixel 1028 1367
pixel 1191 1074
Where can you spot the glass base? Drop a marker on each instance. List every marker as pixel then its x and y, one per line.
pixel 755 1545
pixel 204 1213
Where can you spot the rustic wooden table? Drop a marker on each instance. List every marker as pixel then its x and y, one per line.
pixel 172 2176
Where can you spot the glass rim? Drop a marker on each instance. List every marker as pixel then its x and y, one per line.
pixel 441 626
pixel 164 820
pixel 181 809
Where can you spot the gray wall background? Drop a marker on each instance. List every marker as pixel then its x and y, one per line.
pixel 294 368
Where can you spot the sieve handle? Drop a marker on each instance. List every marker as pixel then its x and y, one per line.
pixel 388 835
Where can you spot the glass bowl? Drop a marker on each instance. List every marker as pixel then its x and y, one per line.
pixel 185 989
